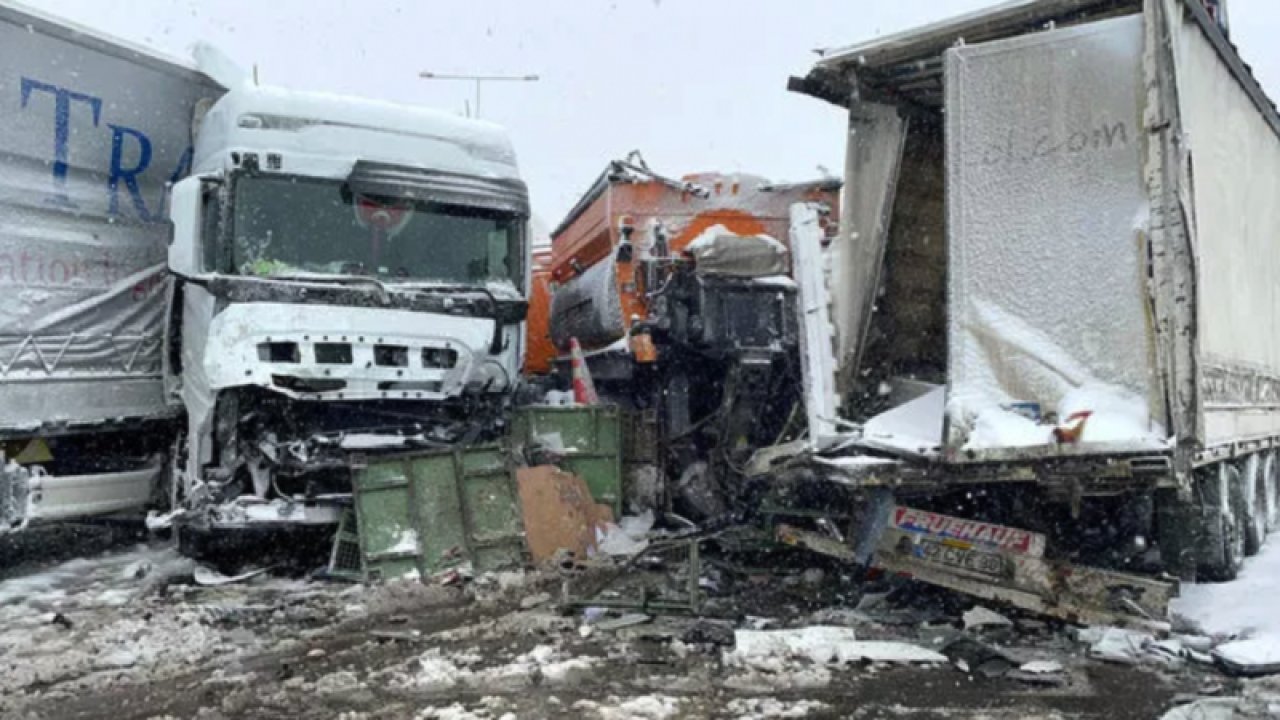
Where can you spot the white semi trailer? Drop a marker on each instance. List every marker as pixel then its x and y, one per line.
pixel 214 291
pixel 1055 298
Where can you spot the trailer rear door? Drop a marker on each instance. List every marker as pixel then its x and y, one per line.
pixel 1048 313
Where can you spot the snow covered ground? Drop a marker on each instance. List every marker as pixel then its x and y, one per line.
pixel 1249 605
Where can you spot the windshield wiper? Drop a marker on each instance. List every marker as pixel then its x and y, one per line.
pixel 384 292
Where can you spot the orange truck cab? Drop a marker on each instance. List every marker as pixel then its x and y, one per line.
pixel 679 293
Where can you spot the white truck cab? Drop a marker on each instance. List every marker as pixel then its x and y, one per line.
pixel 349 277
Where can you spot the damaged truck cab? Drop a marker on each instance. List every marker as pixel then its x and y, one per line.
pixel 349 276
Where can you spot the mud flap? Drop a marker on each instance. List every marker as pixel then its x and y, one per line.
pixel 1000 563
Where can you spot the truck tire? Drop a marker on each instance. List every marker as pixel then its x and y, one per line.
pixel 1254 490
pixel 1224 522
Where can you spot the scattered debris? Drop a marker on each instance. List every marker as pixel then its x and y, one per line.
pixel 980 617
pixel 1206 709
pixel 625 621
pixel 1041 667
pixel 616 540
pixel 1254 656
pixel 820 645
pixel 559 513
pixel 532 601
pixel 1117 644
pixel 205 575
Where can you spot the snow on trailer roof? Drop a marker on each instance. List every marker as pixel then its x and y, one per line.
pixel 1009 18
pixel 908 65
pixel 36 20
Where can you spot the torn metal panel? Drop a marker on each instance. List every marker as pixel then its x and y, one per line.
pixel 874 154
pixel 998 562
pixel 817 358
pixel 1008 563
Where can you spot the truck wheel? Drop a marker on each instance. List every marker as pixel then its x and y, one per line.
pixel 1254 492
pixel 1223 522
pixel 1234 533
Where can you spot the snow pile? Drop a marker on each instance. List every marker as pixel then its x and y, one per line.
pixel 1090 414
pixel 774 649
pixel 1247 605
pixel 1255 656
pixel 458 711
pixel 1009 374
pixel 763 708
pixel 437 672
pixel 644 707
pixel 1115 415
pixel 996 427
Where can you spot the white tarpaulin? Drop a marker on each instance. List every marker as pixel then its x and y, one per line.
pixel 1046 208
pixel 92 132
pixel 1235 181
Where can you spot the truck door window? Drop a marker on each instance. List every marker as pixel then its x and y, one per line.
pixel 212 208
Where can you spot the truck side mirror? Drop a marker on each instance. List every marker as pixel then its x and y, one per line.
pixel 185 208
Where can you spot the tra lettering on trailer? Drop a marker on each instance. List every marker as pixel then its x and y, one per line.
pixel 999 537
pixel 68 104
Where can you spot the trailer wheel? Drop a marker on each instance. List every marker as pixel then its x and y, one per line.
pixel 1235 517
pixel 1224 522
pixel 1254 491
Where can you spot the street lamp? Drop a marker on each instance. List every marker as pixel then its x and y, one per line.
pixel 478 80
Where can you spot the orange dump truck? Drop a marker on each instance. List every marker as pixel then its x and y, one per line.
pixel 679 292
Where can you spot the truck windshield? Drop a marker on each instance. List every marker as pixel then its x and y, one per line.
pixel 299 226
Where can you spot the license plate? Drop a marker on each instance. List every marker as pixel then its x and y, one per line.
pixel 959 556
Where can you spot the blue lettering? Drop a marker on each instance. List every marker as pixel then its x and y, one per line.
pixel 128 175
pixel 61 129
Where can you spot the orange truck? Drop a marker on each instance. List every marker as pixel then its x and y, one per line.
pixel 679 292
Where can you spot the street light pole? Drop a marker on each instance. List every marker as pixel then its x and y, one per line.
pixel 478 80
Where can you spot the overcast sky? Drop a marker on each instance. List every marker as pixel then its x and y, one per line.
pixel 694 84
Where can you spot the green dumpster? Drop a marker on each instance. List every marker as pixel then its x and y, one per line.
pixel 426 512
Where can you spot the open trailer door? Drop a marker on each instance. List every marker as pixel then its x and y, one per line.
pixel 1050 334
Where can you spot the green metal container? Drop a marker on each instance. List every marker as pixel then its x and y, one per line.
pixel 428 512
pixel 591 436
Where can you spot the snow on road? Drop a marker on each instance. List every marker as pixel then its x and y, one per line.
pixel 1248 605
